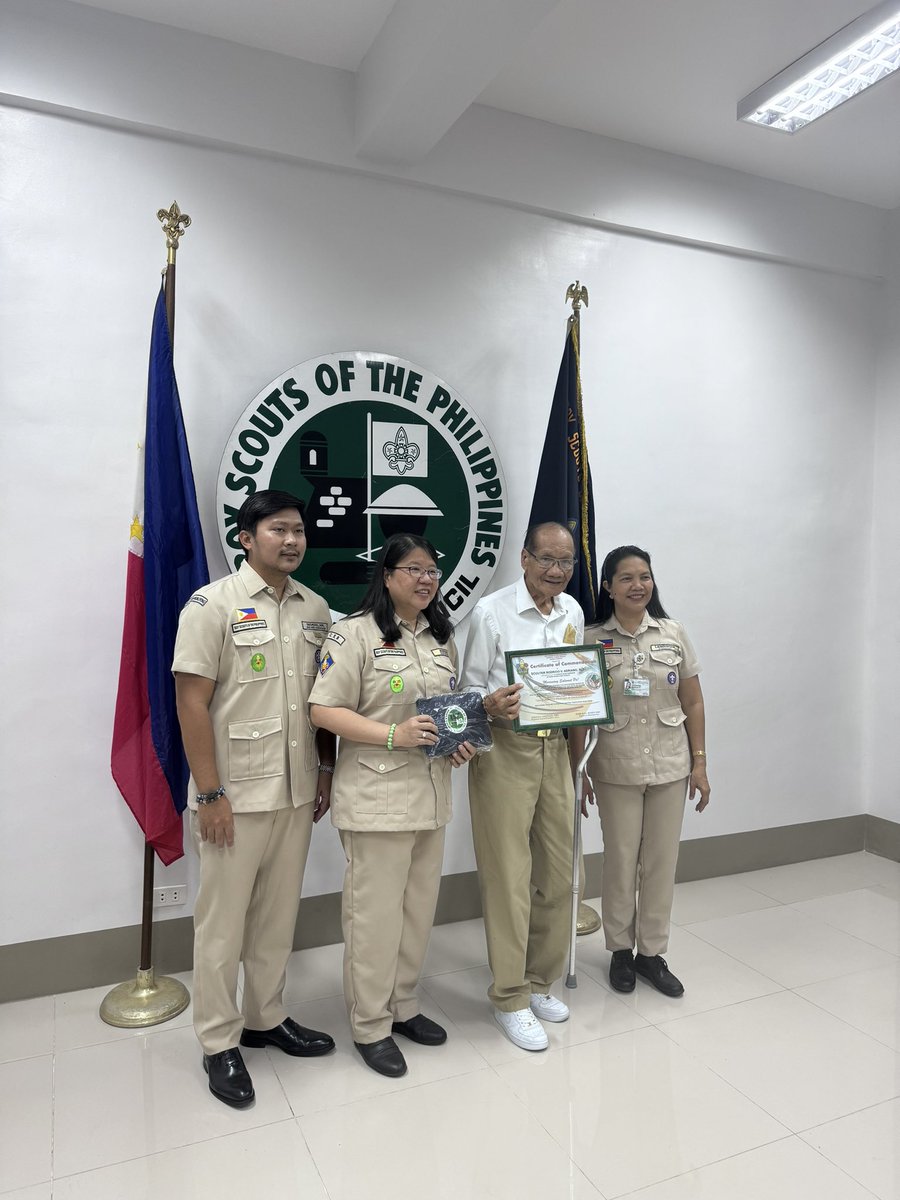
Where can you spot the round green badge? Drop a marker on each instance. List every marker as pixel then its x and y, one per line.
pixel 258 662
pixel 455 719
pixel 396 683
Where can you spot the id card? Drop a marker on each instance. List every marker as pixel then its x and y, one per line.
pixel 637 686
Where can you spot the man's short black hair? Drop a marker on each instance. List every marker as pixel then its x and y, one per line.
pixel 266 504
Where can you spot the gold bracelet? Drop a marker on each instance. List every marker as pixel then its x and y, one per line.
pixel 699 753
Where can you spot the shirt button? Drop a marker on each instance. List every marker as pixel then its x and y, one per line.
pixel 294 709
pixel 293 743
pixel 381 766
pixel 285 638
pixel 290 674
pixel 256 641
pixel 270 590
pixel 256 733
pixel 646 749
pixel 395 666
pixel 643 720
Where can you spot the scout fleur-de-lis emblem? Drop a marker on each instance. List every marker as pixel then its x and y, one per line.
pixel 401 453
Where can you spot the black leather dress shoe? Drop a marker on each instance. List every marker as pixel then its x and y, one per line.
pixel 421 1029
pixel 655 970
pixel 621 971
pixel 229 1080
pixel 292 1038
pixel 383 1057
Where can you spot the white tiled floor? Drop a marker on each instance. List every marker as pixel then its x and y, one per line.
pixel 776 1076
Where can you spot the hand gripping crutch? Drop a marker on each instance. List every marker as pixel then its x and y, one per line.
pixel 580 776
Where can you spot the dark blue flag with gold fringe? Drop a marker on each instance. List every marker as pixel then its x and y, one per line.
pixel 563 488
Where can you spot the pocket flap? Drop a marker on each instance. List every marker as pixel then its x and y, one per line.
pixel 670 657
pixel 619 722
pixel 391 665
pixel 672 716
pixel 252 637
pixel 382 762
pixel 247 730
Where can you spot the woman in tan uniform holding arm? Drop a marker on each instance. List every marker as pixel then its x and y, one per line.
pixel 643 765
pixel 390 802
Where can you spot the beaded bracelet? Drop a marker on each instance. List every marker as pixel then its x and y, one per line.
pixel 328 768
pixel 390 737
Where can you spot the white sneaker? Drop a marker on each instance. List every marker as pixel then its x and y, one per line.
pixel 548 1008
pixel 522 1029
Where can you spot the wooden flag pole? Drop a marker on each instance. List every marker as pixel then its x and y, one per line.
pixel 147 1000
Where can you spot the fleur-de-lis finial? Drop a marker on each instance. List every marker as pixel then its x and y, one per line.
pixel 578 295
pixel 174 223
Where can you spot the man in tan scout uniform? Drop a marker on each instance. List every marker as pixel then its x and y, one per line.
pixel 521 794
pixel 246 657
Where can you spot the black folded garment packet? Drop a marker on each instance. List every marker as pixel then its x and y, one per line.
pixel 460 717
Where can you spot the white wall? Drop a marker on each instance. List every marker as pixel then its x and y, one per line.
pixel 730 409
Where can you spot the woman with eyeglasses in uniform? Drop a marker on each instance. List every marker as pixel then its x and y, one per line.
pixel 390 802
pixel 644 765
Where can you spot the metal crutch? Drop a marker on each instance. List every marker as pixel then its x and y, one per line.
pixel 580 775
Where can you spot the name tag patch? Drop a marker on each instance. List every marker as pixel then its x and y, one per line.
pixel 240 625
pixel 395 653
pixel 318 626
pixel 612 652
pixel 666 646
pixel 335 637
pixel 440 653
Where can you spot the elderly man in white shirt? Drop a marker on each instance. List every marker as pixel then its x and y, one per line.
pixel 521 794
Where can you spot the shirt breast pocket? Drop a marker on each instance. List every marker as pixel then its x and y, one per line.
pixel 312 651
pixel 394 681
pixel 255 657
pixel 445 675
pixel 382 784
pixel 666 665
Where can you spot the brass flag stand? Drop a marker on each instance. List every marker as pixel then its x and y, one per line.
pixel 147 1000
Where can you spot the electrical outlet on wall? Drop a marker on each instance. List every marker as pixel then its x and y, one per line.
pixel 175 894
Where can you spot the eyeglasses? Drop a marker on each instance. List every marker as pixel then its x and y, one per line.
pixel 545 562
pixel 418 572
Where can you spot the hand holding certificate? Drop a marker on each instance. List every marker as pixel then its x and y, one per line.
pixel 561 686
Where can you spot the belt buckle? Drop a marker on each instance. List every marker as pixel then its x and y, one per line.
pixel 544 733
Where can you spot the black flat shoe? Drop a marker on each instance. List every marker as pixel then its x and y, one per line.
pixel 383 1057
pixel 621 971
pixel 655 970
pixel 292 1038
pixel 421 1029
pixel 229 1080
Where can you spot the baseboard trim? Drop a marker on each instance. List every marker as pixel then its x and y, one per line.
pixel 109 956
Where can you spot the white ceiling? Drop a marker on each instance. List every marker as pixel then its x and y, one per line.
pixel 661 73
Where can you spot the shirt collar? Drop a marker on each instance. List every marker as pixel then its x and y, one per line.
pixel 525 602
pixel 255 583
pixel 647 622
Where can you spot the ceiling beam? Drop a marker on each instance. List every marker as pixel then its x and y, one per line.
pixel 431 60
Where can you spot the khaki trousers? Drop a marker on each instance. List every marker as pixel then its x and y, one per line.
pixel 521 800
pixel 247 911
pixel 390 894
pixel 641 834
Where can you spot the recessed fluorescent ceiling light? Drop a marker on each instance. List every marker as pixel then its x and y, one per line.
pixel 851 60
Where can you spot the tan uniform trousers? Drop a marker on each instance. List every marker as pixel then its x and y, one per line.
pixel 641 834
pixel 247 911
pixel 390 893
pixel 521 801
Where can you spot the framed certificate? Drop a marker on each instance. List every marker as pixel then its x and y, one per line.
pixel 561 685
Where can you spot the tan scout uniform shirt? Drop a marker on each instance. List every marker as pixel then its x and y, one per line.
pixel 376 788
pixel 263 657
pixel 647 742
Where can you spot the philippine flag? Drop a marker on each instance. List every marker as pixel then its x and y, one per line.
pixel 166 564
